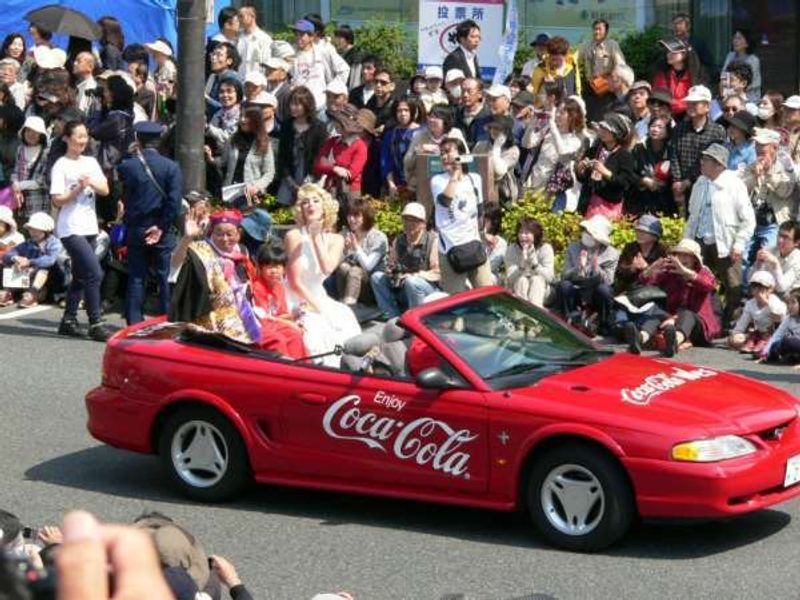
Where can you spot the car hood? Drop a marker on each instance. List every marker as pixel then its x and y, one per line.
pixel 639 393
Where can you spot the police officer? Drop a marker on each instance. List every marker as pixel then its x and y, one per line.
pixel 152 189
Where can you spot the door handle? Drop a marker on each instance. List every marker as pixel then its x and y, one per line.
pixel 313 398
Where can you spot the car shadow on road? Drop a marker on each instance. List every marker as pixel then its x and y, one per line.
pixel 118 473
pixel 784 375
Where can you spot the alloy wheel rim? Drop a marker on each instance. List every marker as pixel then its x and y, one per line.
pixel 573 500
pixel 199 454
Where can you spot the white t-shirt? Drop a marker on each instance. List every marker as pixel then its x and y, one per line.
pixel 458 223
pixel 79 216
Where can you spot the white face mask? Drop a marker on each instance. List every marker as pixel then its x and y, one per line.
pixel 587 240
pixel 455 91
pixel 765 112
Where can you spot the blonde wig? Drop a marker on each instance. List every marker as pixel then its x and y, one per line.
pixel 330 207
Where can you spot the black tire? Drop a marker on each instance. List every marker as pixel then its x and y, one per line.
pixel 231 480
pixel 610 515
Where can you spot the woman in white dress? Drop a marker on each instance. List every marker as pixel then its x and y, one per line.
pixel 314 252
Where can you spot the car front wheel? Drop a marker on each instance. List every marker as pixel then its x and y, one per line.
pixel 204 454
pixel 579 498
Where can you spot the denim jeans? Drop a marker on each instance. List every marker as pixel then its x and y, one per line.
pixel 86 276
pixel 390 298
pixel 764 237
pixel 140 258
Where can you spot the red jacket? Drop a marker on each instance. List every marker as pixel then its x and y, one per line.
pixel 694 295
pixel 678 87
pixel 352 157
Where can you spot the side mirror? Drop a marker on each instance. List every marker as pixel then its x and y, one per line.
pixel 436 379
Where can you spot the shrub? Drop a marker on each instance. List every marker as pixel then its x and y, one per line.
pixel 641 50
pixel 392 44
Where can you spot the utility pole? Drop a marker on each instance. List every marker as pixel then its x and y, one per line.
pixel 191 93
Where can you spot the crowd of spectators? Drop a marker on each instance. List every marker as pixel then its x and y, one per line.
pixel 87 140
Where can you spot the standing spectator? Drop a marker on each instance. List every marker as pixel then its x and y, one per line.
pixel 83 69
pixel 498 97
pixel 408 114
pixel 344 40
pixel 742 51
pixel 439 126
pixel 359 96
pixel 783 261
pixel 452 85
pixel 28 180
pixel 382 101
pixel 254 84
pixel 302 137
pixel 335 66
pixel 9 71
pixel 503 157
pixel 530 263
pixel 365 249
pixel 791 122
pixel 228 23
pixel 153 186
pixel 308 68
pixel 620 82
pixel 740 128
pixel 607 172
pixel 640 109
pixel 226 119
pixel 539 45
pixel 587 277
pixel 769 111
pixel 689 138
pixel 458 204
pixel 597 60
pixel 560 66
pixel 771 182
pixel 474 113
pixel 342 158
pixel 412 270
pixel 682 30
pixel 14 47
pixel 278 85
pixel 254 44
pixel 433 94
pixel 223 62
pixel 166 73
pixel 465 56
pixel 651 165
pixel 734 83
pixel 660 103
pixel 248 156
pixel 721 221
pixel 74 182
pixel 679 71
pixel 112 42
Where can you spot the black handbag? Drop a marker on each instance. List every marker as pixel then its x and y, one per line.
pixel 641 295
pixel 466 257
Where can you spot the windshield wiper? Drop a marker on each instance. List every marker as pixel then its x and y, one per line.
pixel 586 352
pixel 517 369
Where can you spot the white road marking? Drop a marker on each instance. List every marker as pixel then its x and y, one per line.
pixel 25 311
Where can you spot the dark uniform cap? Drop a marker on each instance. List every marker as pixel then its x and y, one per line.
pixel 147 129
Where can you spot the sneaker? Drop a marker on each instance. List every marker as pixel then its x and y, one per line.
pixel 671 341
pixel 70 328
pixel 98 332
pixel 631 336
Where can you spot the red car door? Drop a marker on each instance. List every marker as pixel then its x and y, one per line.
pixel 342 426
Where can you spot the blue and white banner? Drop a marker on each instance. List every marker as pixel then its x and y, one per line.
pixel 508 48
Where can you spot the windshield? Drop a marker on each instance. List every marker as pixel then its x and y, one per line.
pixel 500 336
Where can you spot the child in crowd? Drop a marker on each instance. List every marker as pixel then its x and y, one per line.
pixel 38 257
pixel 279 332
pixel 9 236
pixel 784 345
pixel 530 264
pixel 761 313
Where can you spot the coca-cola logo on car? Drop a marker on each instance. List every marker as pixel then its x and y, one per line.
pixel 657 384
pixel 424 440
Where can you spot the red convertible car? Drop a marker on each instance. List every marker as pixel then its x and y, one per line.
pixel 479 399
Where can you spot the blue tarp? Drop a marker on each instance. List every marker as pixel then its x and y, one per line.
pixel 142 20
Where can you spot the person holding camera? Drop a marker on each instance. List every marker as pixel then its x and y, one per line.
pixel 458 206
pixel 412 272
pixel 721 220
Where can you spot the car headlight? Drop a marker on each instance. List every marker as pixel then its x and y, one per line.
pixel 713 449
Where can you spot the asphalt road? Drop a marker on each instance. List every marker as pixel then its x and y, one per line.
pixel 291 544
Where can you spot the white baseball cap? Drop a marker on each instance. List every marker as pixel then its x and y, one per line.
pixel 276 63
pixel 764 278
pixel 336 87
pixel 698 93
pixel 256 78
pixel 761 135
pixel 41 221
pixel 498 90
pixel 792 102
pixel 414 210
pixel 265 99
pixel 160 47
pixel 433 72
pixel 454 75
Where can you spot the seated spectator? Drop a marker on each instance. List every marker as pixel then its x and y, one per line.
pixel 212 291
pixel 248 156
pixel 439 125
pixel 689 286
pixel 653 194
pixel 637 255
pixel 314 252
pixel 279 332
pixel 342 158
pixel 494 244
pixel 39 258
pixel 395 142
pixel 9 236
pixel 588 274
pixel 784 345
pixel 365 249
pixel 607 172
pixel 740 127
pixel 225 120
pixel 530 263
pixel 760 316
pixel 783 262
pixel 229 577
pixel 503 157
pixel 412 271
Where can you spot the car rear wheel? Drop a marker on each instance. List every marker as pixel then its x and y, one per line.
pixel 204 454
pixel 579 498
